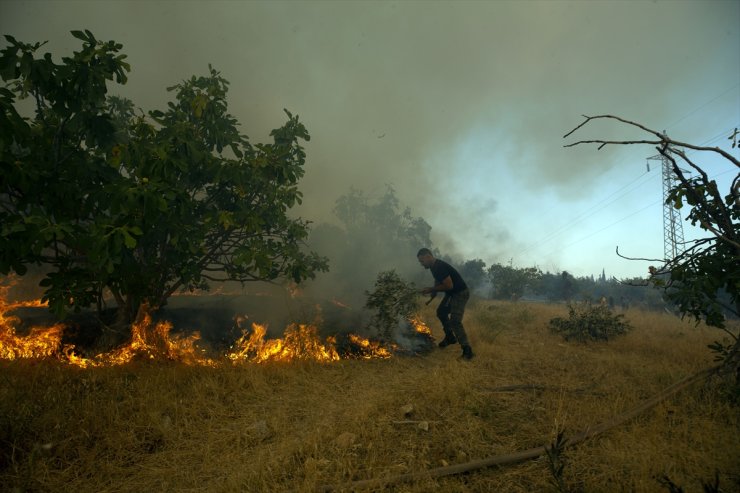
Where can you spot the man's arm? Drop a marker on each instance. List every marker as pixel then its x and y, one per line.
pixel 445 285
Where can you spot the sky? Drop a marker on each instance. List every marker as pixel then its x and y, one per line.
pixel 460 106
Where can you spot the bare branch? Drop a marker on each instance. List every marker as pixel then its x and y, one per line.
pixel 664 139
pixel 614 142
pixel 637 258
pixel 628 122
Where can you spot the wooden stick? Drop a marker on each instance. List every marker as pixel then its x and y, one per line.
pixel 523 455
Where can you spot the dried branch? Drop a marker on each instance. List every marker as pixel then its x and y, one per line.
pixel 520 456
pixel 663 139
pixel 616 142
pixel 637 258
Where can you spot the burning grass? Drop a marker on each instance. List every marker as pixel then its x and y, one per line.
pixel 152 425
pixel 156 341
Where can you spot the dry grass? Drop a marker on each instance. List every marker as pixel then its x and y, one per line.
pixel 294 427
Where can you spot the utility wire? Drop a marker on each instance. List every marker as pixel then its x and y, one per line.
pixel 614 223
pixel 585 214
pixel 597 208
pixel 702 106
pixel 632 214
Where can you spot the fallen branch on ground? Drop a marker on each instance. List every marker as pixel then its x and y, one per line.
pixel 515 457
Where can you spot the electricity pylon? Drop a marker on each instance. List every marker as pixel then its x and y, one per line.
pixel 673 242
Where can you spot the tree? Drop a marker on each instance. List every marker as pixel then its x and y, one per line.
pixel 140 205
pixel 380 220
pixel 509 282
pixel 697 279
pixel 374 234
pixel 474 273
pixel 393 300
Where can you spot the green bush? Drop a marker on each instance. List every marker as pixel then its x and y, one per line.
pixel 588 322
pixel 393 299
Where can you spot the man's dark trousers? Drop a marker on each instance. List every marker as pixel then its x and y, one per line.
pixel 450 312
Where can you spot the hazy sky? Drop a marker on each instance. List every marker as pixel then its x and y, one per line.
pixel 460 106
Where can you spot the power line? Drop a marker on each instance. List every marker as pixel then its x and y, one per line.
pixel 633 213
pixel 702 106
pixel 595 208
pixel 590 211
pixel 614 223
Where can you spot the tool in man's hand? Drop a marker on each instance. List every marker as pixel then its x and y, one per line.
pixel 434 295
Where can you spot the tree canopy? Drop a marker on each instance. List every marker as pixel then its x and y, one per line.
pixel 703 281
pixel 142 205
pixel 696 279
pixel 373 234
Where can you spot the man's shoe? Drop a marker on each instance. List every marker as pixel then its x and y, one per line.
pixel 447 341
pixel 467 352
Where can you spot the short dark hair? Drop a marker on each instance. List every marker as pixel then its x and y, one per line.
pixel 423 251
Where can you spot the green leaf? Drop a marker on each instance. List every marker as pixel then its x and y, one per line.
pixel 130 241
pixel 79 35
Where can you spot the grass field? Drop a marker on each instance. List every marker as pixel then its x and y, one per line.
pixel 157 426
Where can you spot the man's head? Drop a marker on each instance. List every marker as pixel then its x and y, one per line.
pixel 425 257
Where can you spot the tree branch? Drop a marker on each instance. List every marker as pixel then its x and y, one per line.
pixel 663 138
pixel 637 258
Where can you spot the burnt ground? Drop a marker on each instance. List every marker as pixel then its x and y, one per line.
pixel 219 318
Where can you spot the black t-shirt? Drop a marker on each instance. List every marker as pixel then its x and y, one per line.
pixel 441 269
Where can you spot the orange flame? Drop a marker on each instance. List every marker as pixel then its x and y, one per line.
pixel 155 342
pixel 41 342
pixel 420 327
pixel 370 349
pixel 150 341
pixel 300 342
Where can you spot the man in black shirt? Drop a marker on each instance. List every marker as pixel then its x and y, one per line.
pixel 451 309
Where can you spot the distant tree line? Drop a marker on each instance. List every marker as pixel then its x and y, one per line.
pixel 506 282
pixel 374 233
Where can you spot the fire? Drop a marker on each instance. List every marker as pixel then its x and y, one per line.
pixel 148 341
pixel 368 349
pixel 300 342
pixel 420 327
pixel 155 341
pixel 41 342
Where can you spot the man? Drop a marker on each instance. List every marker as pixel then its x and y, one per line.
pixel 451 309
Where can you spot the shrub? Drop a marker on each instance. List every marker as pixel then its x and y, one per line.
pixel 589 322
pixel 393 299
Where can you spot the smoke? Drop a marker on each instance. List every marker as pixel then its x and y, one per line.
pixel 461 106
pixel 371 234
pixel 410 340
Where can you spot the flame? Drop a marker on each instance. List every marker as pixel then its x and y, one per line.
pixel 41 342
pixel 300 342
pixel 367 349
pixel 420 327
pixel 154 341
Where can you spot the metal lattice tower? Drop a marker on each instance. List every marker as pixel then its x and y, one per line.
pixel 673 242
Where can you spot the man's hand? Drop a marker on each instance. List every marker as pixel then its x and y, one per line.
pixel 428 291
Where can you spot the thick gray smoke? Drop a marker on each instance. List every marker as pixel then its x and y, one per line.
pixel 461 106
pixel 369 235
